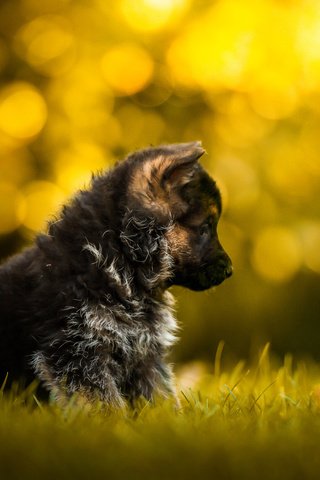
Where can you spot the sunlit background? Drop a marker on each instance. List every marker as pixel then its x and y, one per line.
pixel 85 82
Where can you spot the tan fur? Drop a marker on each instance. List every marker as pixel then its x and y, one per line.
pixel 213 210
pixel 162 196
pixel 139 185
pixel 179 242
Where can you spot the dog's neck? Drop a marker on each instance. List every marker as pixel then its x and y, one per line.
pixel 131 279
pixel 130 253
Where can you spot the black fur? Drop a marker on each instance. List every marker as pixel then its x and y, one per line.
pixel 86 309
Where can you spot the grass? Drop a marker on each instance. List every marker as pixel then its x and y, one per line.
pixel 245 423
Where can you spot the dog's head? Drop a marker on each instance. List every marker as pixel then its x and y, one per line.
pixel 170 187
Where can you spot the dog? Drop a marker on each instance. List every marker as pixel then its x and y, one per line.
pixel 86 310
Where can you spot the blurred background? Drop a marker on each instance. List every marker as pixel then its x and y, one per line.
pixel 83 82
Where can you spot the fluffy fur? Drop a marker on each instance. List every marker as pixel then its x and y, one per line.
pixel 86 309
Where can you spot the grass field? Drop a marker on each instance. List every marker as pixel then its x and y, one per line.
pixel 256 422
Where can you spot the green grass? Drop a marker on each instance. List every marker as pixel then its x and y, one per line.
pixel 249 423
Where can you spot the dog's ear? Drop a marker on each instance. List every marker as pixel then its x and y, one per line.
pixel 177 166
pixel 163 171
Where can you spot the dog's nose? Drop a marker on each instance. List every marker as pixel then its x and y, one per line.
pixel 228 271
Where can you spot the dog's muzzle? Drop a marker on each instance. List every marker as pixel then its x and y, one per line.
pixel 219 271
pixel 228 271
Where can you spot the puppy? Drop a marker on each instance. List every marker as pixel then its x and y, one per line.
pixel 86 310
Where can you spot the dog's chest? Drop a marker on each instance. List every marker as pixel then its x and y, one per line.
pixel 134 335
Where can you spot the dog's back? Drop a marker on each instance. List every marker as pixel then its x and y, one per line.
pixel 18 280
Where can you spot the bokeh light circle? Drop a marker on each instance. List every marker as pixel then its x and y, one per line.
pixel 74 167
pixel 274 103
pixel 47 44
pixel 152 15
pixel 12 208
pixel 23 111
pixel 127 68
pixel 43 200
pixel 276 254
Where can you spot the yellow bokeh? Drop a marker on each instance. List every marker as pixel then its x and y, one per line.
pixel 16 167
pixel 47 44
pixel 127 68
pixel 23 111
pixel 311 245
pixel 83 91
pixel 152 15
pixel 214 57
pixel 241 182
pixel 3 55
pixel 12 208
pixel 277 254
pixel 8 144
pixel 288 171
pixel 132 119
pixel 232 238
pixel 36 6
pixel 43 200
pixel 274 103
pixel 74 167
pixel 308 44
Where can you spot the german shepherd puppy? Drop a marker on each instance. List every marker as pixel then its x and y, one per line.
pixel 86 310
